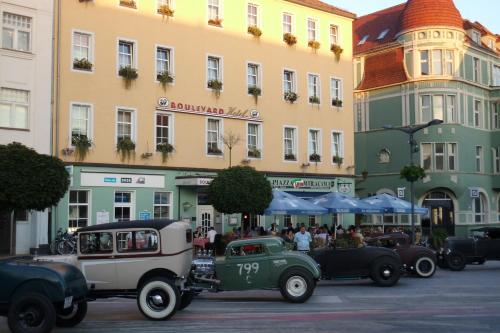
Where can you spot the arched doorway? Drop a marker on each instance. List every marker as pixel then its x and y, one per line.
pixel 441 212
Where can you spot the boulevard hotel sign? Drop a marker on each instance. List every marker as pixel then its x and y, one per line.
pixel 213 111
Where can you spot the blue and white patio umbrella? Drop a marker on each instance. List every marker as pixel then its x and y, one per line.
pixel 393 205
pixel 288 204
pixel 337 203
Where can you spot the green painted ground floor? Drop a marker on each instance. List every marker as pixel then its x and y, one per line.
pixel 110 194
pixel 457 203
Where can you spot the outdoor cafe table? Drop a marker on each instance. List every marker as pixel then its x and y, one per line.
pixel 201 242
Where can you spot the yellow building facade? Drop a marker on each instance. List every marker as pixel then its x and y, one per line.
pixel 165 93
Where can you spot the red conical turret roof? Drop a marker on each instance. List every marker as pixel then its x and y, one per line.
pixel 423 13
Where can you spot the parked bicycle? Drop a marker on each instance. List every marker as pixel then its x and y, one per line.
pixel 64 243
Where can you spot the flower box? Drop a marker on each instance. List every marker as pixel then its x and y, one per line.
pixel 214 151
pixel 290 157
pixel 128 3
pixel 82 64
pixel 290 96
pixel 315 158
pixel 215 22
pixel 314 100
pixel 289 39
pixel 337 102
pixel 254 30
pixel 165 10
pixel 254 153
pixel 314 44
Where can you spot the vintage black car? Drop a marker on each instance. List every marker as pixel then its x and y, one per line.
pixel 484 244
pixel 416 259
pixel 377 263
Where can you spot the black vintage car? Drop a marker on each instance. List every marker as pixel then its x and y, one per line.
pixel 484 244
pixel 380 264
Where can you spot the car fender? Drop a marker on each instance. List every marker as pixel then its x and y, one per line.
pixel 52 289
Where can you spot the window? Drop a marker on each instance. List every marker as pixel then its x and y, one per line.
pixel 253 75
pixel 479 208
pixel 312 29
pixel 16 32
pixel 290 144
pixel 334 34
pixel 439 156
pixel 477 114
pixel 496 160
pixel 425 108
pixel 213 10
pixel 437 107
pixel 449 63
pixel 124 206
pixel 124 125
pixel 437 64
pixel 496 75
pixel 336 90
pixel 312 220
pixel 479 159
pixel 162 205
pixel 125 54
pixel 137 241
pixel 78 215
pixel 424 63
pixel 494 115
pixel 161 3
pixel 287 23
pixel 313 88
pixel 315 145
pixel 82 51
pixel 254 144
pixel 382 34
pixel 363 40
pixel 476 37
pixel 163 128
pixel 337 144
pixel 213 69
pixel 163 61
pixel 96 243
pixel 14 108
pixel 213 137
pixel 476 69
pixel 80 120
pixel 288 81
pixel 252 15
pixel 451 112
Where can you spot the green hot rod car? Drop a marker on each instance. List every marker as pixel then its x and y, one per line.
pixel 258 263
pixel 35 295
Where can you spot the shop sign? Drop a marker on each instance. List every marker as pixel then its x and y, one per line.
pixel 401 192
pixel 233 112
pixel 144 215
pixel 193 181
pixel 299 183
pixel 344 187
pixel 121 180
pixel 474 192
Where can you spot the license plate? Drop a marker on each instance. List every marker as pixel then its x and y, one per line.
pixel 68 301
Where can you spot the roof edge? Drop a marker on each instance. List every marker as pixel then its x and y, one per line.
pixel 333 9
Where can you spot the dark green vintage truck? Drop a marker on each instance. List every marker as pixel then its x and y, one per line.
pixel 36 294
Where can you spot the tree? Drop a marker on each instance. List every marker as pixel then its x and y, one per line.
pixel 240 189
pixel 230 140
pixel 28 180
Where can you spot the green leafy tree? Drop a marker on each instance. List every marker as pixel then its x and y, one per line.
pixel 29 180
pixel 240 189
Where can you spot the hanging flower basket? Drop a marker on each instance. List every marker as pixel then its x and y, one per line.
pixel 337 50
pixel 290 96
pixel 165 149
pixel 314 100
pixel 289 39
pixel 412 172
pixel 254 30
pixel 215 22
pixel 337 102
pixel 254 153
pixel 82 145
pixel 338 160
pixel 165 78
pixel 165 10
pixel 128 74
pixel 315 158
pixel 82 64
pixel 255 92
pixel 125 147
pixel 216 86
pixel 314 44
pixel 290 157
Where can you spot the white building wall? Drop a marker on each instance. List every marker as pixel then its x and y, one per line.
pixel 30 71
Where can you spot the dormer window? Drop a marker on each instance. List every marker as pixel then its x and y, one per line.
pixel 364 39
pixel 476 37
pixel 383 34
pixel 491 44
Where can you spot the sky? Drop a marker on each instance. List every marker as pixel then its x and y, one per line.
pixel 484 11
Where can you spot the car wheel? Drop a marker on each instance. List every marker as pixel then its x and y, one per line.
pixel 442 263
pixel 385 272
pixel 425 267
pixel 186 299
pixel 455 261
pixel 72 316
pixel 31 314
pixel 158 299
pixel 296 285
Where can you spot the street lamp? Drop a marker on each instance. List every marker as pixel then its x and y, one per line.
pixel 411 130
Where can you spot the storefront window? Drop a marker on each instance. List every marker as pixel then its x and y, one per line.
pixel 78 209
pixel 479 208
pixel 162 205
pixel 123 206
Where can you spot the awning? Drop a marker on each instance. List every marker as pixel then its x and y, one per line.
pixel 284 203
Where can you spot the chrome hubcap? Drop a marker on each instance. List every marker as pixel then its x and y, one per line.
pixel 296 286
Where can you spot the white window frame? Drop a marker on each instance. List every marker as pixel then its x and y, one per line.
pixel 496 75
pixel 310 85
pixel 169 205
pixel 483 213
pixel 258 76
pixel 496 160
pixel 220 10
pixel 476 69
pixel 220 144
pixel 315 31
pixel 442 156
pixel 121 204
pixel 319 143
pixel 495 116
pixel 363 40
pixel 91 50
pixel 295 146
pixel 16 30
pixel 437 62
pixel 171 61
pixel 292 23
pixel 425 61
pixel 12 105
pixel 135 60
pixel 479 158
pixel 220 70
pixel 171 127
pixel 477 112
pixel 293 82
pixel 340 144
pixel 259 141
pixel 449 62
pixel 339 89
pixel 476 37
pixel 90 122
pixel 334 37
pixel 421 108
pixel 257 14
pixel 446 156
pixel 451 109
pixel 78 204
pixel 133 119
pixel 434 114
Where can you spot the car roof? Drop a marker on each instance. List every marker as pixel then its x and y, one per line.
pixel 256 240
pixel 147 224
pixel 484 229
pixel 392 235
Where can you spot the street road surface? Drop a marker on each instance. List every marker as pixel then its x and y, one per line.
pixel 467 301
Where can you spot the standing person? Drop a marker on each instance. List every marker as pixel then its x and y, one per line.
pixel 340 231
pixel 303 240
pixel 198 233
pixel 356 236
pixel 273 230
pixel 211 238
